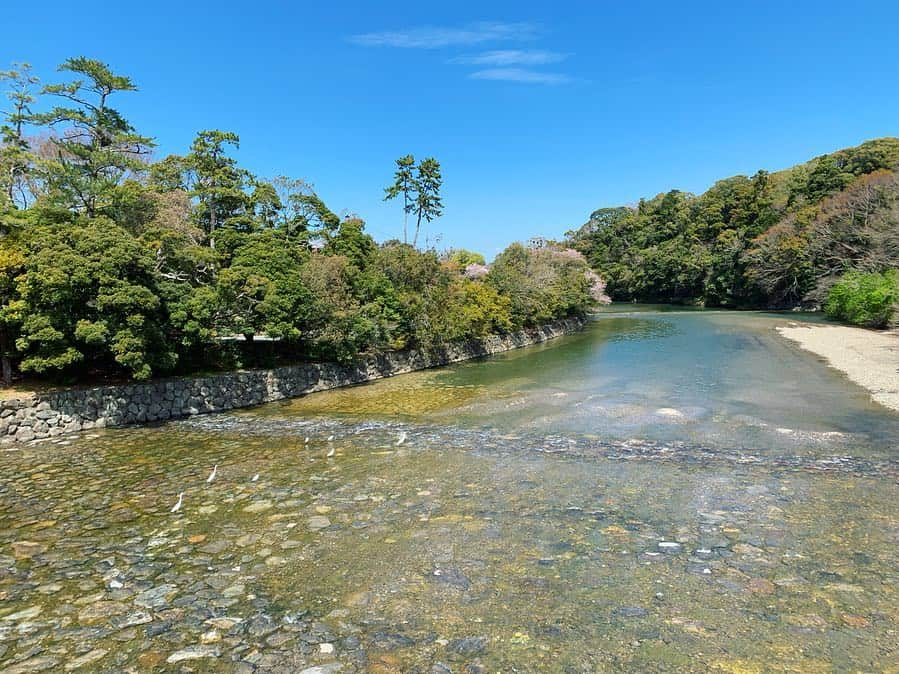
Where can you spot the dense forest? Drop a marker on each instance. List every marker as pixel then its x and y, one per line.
pixel 779 240
pixel 116 263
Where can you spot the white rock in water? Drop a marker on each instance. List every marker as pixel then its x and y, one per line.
pixel 670 546
pixel 330 668
pixel 213 636
pixel 670 412
pixel 24 614
pixel 223 623
pixel 193 653
pixel 318 522
pixel 85 659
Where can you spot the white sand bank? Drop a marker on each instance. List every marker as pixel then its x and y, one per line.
pixel 868 358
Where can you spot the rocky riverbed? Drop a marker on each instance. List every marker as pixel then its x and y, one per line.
pixel 449 552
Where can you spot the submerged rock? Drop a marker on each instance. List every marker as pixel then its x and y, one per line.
pixel 330 668
pixel 670 547
pixel 451 576
pixel 317 522
pixel 86 659
pixel 193 653
pixel 35 664
pixel 24 614
pixel 388 641
pixel 468 645
pixel 156 597
pixel 27 549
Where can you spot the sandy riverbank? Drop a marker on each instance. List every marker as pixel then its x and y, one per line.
pixel 868 358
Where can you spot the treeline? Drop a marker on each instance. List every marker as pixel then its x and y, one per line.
pixel 113 263
pixel 771 240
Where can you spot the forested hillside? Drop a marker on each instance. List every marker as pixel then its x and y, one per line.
pixel 771 240
pixel 116 262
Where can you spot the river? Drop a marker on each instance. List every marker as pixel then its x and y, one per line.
pixel 668 490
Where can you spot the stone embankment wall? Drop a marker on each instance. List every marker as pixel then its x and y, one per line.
pixel 60 412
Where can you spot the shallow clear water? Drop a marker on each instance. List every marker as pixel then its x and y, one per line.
pixel 666 491
pixel 719 379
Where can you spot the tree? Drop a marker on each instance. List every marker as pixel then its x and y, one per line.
pixel 428 203
pixel 779 265
pixel 216 182
pixel 403 184
pixel 97 147
pixel 12 266
pixel 462 258
pixel 339 325
pixel 266 203
pixel 261 291
pixel 352 242
pixel 543 284
pixel 870 299
pixel 420 188
pixel 89 299
pixel 15 157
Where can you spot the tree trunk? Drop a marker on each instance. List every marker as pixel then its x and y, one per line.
pixel 5 360
pixel 212 224
pixel 405 218
pixel 417 227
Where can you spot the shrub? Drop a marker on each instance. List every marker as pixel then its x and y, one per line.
pixel 870 299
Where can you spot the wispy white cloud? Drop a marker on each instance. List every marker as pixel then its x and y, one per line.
pixel 434 37
pixel 511 57
pixel 522 75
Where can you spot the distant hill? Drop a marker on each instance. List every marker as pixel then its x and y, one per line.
pixel 770 240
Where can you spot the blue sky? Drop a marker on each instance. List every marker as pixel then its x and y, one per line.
pixel 538 112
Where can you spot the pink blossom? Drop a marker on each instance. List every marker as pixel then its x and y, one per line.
pixel 475 271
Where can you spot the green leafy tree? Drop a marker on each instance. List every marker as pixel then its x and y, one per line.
pixel 428 203
pixel 462 258
pixel 216 183
pixel 542 284
pixel 12 267
pixel 871 300
pixel 420 188
pixel 403 185
pixel 96 147
pixel 471 309
pixel 352 242
pixel 89 299
pixel 16 159
pixel 261 292
pixel 340 326
pixel 266 204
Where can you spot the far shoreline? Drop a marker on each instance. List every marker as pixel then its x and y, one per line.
pixel 868 358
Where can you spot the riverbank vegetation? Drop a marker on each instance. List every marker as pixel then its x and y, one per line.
pixel 116 262
pixel 779 239
pixel 865 299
